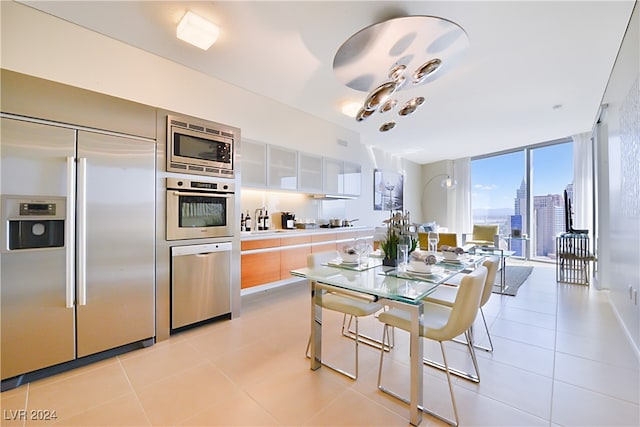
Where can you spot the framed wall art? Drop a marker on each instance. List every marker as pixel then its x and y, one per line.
pixel 388 190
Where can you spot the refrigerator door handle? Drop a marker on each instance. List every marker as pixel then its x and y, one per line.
pixel 82 231
pixel 69 232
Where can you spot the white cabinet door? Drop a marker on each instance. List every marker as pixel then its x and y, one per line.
pixel 309 173
pixel 332 180
pixel 283 168
pixel 254 164
pixel 352 178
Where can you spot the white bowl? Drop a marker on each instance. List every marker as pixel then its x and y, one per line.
pixel 420 267
pixel 347 257
pixel 452 256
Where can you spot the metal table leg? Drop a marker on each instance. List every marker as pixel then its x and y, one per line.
pixel 416 353
pixel 316 327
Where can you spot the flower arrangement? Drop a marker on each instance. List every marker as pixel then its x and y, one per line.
pixel 399 230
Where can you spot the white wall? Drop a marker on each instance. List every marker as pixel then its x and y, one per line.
pixel 37 44
pixel 618 151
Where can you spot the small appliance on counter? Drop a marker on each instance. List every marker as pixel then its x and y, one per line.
pixel 288 220
pixel 307 223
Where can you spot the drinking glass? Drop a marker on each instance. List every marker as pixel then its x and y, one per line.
pixel 362 248
pixel 403 256
pixel 433 241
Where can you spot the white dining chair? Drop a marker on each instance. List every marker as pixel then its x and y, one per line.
pixel 350 305
pixel 439 323
pixel 446 295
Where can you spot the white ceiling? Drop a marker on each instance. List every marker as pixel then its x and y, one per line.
pixel 524 58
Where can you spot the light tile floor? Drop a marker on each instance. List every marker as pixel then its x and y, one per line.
pixel 560 359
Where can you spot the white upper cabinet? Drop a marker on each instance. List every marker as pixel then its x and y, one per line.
pixel 254 164
pixel 342 178
pixel 283 168
pixel 278 168
pixel 352 178
pixel 332 182
pixel 309 173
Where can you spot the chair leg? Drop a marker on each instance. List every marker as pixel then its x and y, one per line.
pixel 385 334
pixel 486 328
pixel 479 347
pixel 472 352
pixel 462 374
pixel 365 339
pixel 453 399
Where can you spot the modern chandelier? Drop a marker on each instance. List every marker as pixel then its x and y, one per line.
pixel 392 59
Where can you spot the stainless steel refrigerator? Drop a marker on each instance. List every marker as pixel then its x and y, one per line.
pixel 77 253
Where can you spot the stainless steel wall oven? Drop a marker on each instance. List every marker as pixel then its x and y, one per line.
pixel 199 209
pixel 200 148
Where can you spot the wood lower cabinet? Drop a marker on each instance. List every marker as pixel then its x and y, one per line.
pixel 291 259
pixel 260 268
pixel 318 246
pixel 295 257
pixel 271 259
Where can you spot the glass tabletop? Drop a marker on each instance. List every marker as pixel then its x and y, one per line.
pixel 365 264
pixel 380 281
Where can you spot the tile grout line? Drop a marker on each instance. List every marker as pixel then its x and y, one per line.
pixel 135 393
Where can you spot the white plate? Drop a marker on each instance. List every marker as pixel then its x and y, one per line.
pixel 427 270
pixel 458 258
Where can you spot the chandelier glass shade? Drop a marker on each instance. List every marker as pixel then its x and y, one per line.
pixel 390 61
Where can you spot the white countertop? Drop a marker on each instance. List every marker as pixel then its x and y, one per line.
pixel 278 232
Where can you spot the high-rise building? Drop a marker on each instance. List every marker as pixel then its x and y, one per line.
pixel 548 214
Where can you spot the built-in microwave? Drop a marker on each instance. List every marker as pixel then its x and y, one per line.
pixel 199 209
pixel 200 148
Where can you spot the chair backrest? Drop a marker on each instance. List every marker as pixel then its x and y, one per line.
pixel 449 239
pixel 492 269
pixel 317 259
pixel 423 240
pixel 485 232
pixel 466 305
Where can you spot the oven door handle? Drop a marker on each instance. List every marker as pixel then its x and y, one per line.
pixel 208 194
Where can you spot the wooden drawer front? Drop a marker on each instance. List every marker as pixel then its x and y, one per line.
pixel 324 247
pixel 298 240
pixel 323 237
pixel 260 268
pixel 259 244
pixel 349 235
pixel 293 258
pixel 365 233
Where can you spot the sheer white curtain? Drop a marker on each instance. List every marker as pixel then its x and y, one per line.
pixel 459 200
pixel 583 202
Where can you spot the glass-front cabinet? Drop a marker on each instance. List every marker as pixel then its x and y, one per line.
pixel 283 168
pixel 342 178
pixel 309 173
pixel 254 164
pixel 332 182
pixel 352 178
pixel 273 167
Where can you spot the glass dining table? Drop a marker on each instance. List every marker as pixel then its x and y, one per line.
pixel 394 287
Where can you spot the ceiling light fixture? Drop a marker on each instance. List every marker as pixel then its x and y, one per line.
pixel 350 108
pixel 197 31
pixel 394 57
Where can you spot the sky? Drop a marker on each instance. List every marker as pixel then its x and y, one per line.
pixel 494 180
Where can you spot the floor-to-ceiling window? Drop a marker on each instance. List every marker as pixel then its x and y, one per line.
pixel 497 194
pixel 522 191
pixel 551 174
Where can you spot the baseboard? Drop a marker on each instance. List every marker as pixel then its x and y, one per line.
pixel 626 331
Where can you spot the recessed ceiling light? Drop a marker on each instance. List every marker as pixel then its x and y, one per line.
pixel 197 31
pixel 350 108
